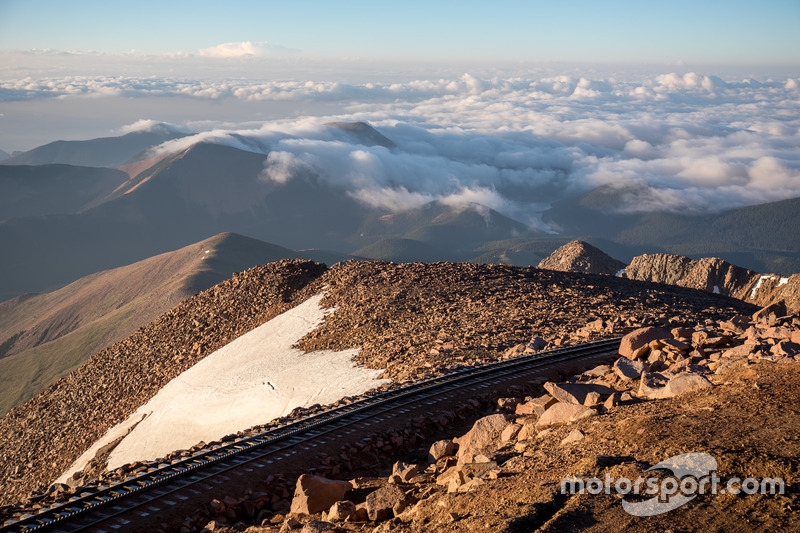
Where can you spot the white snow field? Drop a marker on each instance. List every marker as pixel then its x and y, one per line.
pixel 250 381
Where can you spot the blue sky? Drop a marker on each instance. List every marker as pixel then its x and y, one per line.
pixel 708 32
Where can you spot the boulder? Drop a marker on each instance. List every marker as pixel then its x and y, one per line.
pixel 575 392
pixel 598 371
pixel 380 503
pixel 689 382
pixel 778 309
pixel 575 435
pixel 483 431
pixel 564 413
pixel 536 344
pixel 657 386
pixel 510 432
pixel 536 406
pixel 629 369
pixel 653 385
pixel 442 448
pixel 785 349
pixel 314 494
pixel 639 338
pixel 404 471
pixel 613 400
pixel 341 510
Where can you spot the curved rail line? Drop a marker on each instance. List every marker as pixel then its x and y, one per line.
pixel 102 503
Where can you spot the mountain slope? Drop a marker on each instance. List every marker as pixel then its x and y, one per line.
pixel 61 329
pixel 411 320
pixel 100 152
pixel 210 188
pixel 49 189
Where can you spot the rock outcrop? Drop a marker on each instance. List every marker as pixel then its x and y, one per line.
pixel 579 256
pixel 716 276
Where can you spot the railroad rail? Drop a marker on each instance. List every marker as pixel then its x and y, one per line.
pixel 98 505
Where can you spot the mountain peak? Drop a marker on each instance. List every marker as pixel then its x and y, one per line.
pixel 579 256
pixel 362 133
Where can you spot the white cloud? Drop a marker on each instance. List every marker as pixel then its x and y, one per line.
pixel 678 142
pixel 152 125
pixel 237 50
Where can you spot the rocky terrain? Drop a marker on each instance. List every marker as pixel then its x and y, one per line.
pixel 714 275
pixel 412 320
pixel 702 388
pixel 692 388
pixel 579 256
pixel 709 274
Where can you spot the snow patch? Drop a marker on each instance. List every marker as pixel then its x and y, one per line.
pixel 716 289
pixel 783 281
pixel 250 381
pixel 619 273
pixel 758 284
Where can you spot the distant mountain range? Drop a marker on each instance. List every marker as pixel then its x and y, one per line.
pixel 60 221
pixel 764 237
pixel 102 152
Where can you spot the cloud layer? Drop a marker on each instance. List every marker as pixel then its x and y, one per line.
pixel 672 142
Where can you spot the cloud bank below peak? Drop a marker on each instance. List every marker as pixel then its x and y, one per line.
pixel 688 142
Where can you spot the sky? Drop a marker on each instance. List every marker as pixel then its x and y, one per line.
pixel 684 105
pixel 693 31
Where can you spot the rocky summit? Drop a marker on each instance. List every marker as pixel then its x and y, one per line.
pixel 579 256
pixel 411 320
pixel 714 275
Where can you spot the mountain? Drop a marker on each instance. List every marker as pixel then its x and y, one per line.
pixel 362 133
pixel 100 152
pixel 579 256
pixel 760 237
pixel 524 251
pixel 210 188
pixel 45 336
pixel 4 155
pixel 410 320
pixel 715 275
pixel 50 189
pixel 434 232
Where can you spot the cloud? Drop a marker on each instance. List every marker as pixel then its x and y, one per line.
pixel 241 49
pixel 148 125
pixel 674 142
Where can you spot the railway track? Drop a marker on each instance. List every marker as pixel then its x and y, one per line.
pixel 115 507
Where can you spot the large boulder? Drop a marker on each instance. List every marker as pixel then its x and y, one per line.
pixel 314 494
pixel 341 510
pixel 778 309
pixel 482 433
pixel 654 386
pixel 382 503
pixel 629 369
pixel 640 337
pixel 442 448
pixel 575 392
pixel 564 413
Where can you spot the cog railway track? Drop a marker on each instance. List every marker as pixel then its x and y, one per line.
pixel 169 488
